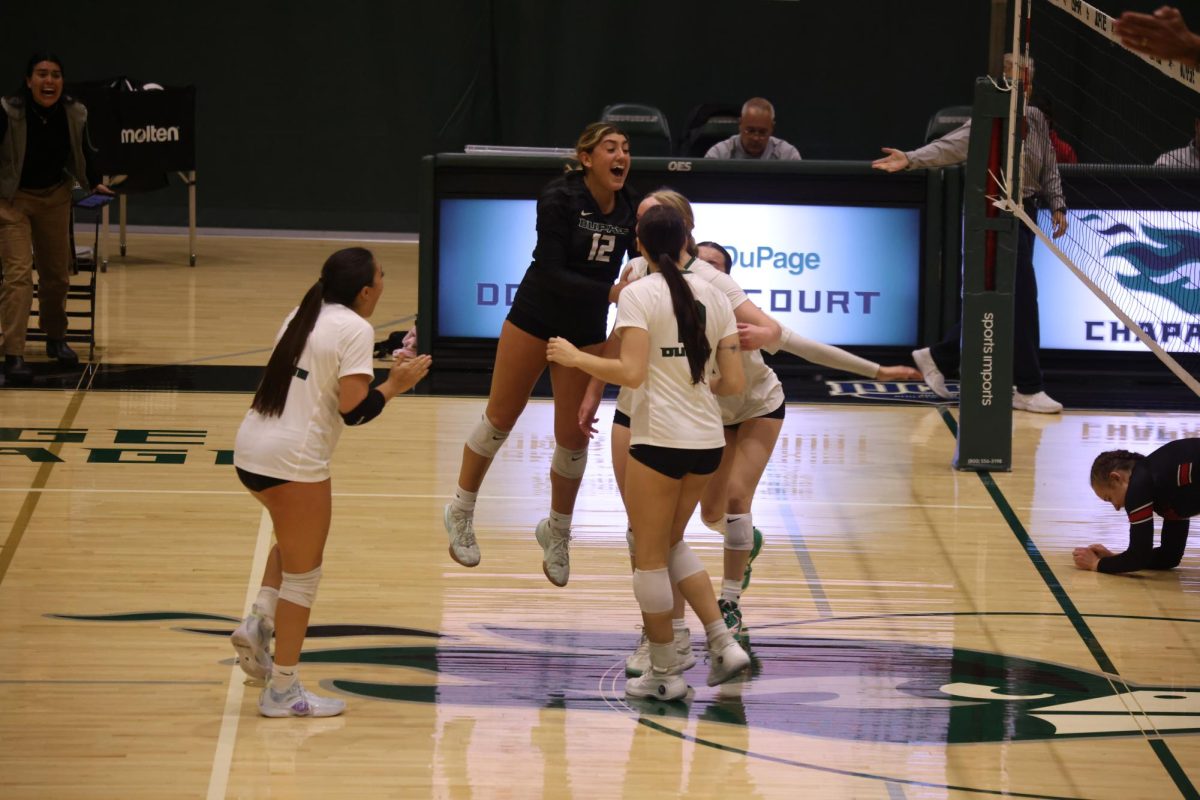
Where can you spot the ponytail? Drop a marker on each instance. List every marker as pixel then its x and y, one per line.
pixel 343 276
pixel 662 234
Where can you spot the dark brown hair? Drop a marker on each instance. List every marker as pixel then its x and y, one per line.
pixel 344 275
pixel 1111 461
pixel 662 232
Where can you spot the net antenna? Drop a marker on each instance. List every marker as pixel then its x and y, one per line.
pixel 1134 225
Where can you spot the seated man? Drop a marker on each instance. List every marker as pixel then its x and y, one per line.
pixel 1186 157
pixel 754 139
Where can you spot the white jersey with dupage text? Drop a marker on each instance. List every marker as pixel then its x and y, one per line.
pixel 763 394
pixel 668 409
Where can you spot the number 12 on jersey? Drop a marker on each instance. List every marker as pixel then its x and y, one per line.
pixel 602 246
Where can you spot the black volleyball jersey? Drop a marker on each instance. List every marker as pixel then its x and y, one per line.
pixel 578 256
pixel 1162 483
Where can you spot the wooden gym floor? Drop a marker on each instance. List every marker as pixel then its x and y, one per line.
pixel 917 632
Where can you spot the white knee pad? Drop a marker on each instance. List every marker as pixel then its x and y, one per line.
pixel 300 588
pixel 739 532
pixel 629 541
pixel 569 463
pixel 652 588
pixel 486 438
pixel 682 563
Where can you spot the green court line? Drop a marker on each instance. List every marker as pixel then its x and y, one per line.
pixel 1165 756
pixel 21 523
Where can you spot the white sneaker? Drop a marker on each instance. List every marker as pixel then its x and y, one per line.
pixel 934 378
pixel 252 641
pixel 657 685
pixel 639 662
pixel 296 701
pixel 1039 403
pixel 556 552
pixel 461 530
pixel 723 664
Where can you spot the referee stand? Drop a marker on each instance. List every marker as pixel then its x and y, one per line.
pixel 989 270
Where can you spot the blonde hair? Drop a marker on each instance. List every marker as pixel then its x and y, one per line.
pixel 673 199
pixel 592 135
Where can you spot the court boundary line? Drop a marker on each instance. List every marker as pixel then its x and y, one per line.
pixel 34 493
pixel 1075 617
pixel 218 778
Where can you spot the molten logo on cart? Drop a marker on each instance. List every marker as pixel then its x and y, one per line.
pixel 149 133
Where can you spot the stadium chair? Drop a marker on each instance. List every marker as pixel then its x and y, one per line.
pixel 706 125
pixel 946 120
pixel 649 134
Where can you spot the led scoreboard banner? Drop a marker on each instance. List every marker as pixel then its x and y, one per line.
pixel 834 250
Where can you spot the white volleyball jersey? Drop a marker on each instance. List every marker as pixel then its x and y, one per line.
pixel 298 444
pixel 764 392
pixel 704 271
pixel 669 410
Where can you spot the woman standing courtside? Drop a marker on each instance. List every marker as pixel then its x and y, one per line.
pixel 44 152
pixel 318 379
pixel 585 223
pixel 679 348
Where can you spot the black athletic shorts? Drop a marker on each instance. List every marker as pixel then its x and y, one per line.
pixel 538 325
pixel 621 418
pixel 776 414
pixel 675 462
pixel 257 483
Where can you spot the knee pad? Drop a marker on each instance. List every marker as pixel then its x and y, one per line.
pixel 652 588
pixel 739 532
pixel 682 563
pixel 486 438
pixel 629 541
pixel 569 463
pixel 300 587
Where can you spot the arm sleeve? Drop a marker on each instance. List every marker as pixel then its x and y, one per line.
pixel 824 354
pixel 729 287
pixel 367 410
pixel 950 149
pixel 1174 538
pixel 355 351
pixel 1139 503
pixel 553 247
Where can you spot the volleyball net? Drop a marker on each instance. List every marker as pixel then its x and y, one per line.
pixel 1125 129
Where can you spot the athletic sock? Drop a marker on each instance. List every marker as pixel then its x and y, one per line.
pixel 679 624
pixel 717 634
pixel 731 590
pixel 560 521
pixel 662 656
pixel 464 501
pixel 282 677
pixel 264 604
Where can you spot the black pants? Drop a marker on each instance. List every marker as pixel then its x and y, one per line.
pixel 1027 367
